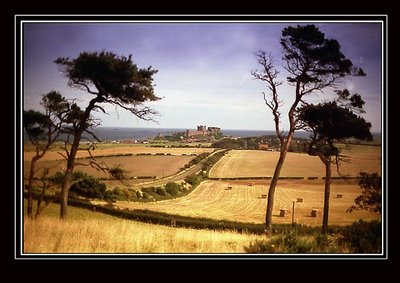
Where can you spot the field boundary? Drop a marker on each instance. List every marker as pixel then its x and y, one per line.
pixel 284 178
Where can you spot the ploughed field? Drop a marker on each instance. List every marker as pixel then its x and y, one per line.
pixel 256 163
pixel 243 201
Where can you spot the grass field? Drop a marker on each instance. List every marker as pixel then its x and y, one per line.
pixel 251 163
pixel 91 232
pixel 155 165
pixel 244 203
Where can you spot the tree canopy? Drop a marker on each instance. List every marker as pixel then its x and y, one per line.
pixel 113 79
pixel 331 122
pixel 313 59
pixel 34 125
pixel 371 196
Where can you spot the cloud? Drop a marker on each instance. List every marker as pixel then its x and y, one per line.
pixel 204 69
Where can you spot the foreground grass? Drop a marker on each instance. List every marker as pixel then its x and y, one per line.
pixel 91 232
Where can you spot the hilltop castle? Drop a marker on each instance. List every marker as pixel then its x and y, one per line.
pixel 202 130
pixel 202 133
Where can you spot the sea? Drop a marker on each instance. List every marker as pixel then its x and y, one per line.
pixel 119 134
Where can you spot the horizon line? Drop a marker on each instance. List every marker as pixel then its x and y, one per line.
pixel 222 129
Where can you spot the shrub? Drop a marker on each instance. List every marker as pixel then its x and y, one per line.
pixel 89 187
pixel 193 180
pixel 322 240
pixel 109 196
pixel 173 188
pixel 84 185
pixel 228 143
pixel 363 237
pixel 260 247
pixel 118 191
pixel 120 194
pixel 291 243
pixel 118 173
pixel 149 190
pixel 161 191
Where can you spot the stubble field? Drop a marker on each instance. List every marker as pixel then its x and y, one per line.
pixel 244 202
pixel 256 163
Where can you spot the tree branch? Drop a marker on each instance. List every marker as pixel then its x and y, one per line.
pixel 93 135
pixel 84 86
pixel 269 75
pixel 143 113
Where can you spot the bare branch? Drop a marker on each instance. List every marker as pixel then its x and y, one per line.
pixel 93 135
pixel 81 85
pixel 66 142
pixel 144 113
pixel 99 107
pixel 65 157
pixel 269 74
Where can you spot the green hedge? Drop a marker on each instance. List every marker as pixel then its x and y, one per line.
pixel 258 178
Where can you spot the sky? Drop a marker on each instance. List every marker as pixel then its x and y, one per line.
pixel 204 69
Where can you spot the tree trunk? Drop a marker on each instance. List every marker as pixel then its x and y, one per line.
pixel 71 157
pixel 29 187
pixel 328 173
pixel 274 182
pixel 39 206
pixel 68 177
pixel 64 194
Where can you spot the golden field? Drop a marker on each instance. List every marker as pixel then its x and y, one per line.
pixel 119 149
pixel 154 165
pixel 135 165
pixel 91 232
pixel 256 163
pixel 244 203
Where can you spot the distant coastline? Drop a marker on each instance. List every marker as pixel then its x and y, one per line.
pixel 124 133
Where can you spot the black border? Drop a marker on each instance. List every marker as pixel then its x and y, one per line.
pixel 178 18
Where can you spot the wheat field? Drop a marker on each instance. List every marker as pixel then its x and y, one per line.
pixel 90 232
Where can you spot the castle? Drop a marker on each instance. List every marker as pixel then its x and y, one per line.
pixel 201 133
pixel 202 130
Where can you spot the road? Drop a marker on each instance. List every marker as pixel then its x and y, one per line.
pixel 180 176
